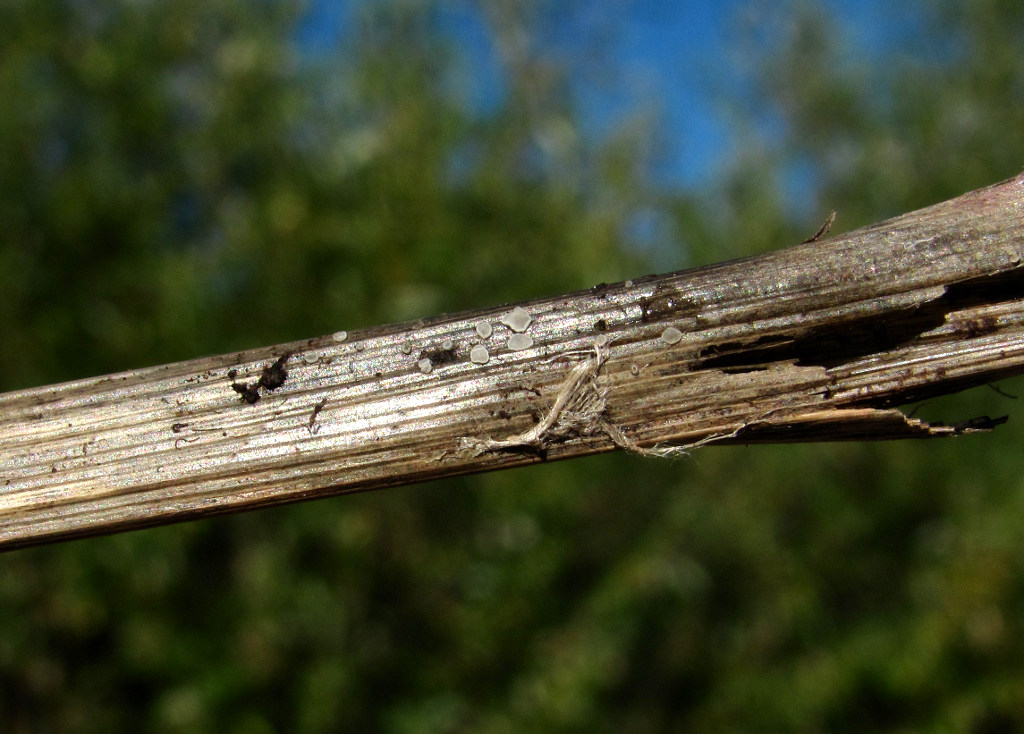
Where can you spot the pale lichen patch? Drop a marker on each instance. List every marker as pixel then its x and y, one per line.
pixel 479 354
pixel 519 319
pixel 484 329
pixel 671 335
pixel 339 336
pixel 425 365
pixel 517 342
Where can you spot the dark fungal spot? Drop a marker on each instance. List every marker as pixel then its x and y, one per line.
pixel 250 393
pixel 441 355
pixel 981 326
pixel 272 377
pixel 665 301
pixel 313 428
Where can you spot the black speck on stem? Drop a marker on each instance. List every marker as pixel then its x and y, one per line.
pixel 273 377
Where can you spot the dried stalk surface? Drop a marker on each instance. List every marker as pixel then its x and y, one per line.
pixel 815 342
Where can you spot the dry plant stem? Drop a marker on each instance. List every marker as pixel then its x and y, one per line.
pixel 815 342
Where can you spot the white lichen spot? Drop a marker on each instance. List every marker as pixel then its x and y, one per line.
pixel 406 348
pixel 447 345
pixel 519 341
pixel 479 354
pixel 519 320
pixel 484 329
pixel 339 336
pixel 425 365
pixel 629 284
pixel 671 335
pixel 360 346
pixel 634 369
pixel 601 340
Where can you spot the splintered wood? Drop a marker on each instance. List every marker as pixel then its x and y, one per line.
pixel 818 342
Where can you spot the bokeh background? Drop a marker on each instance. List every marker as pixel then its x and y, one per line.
pixel 198 176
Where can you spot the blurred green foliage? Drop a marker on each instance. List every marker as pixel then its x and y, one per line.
pixel 180 178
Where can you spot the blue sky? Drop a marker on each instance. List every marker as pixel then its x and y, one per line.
pixel 671 58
